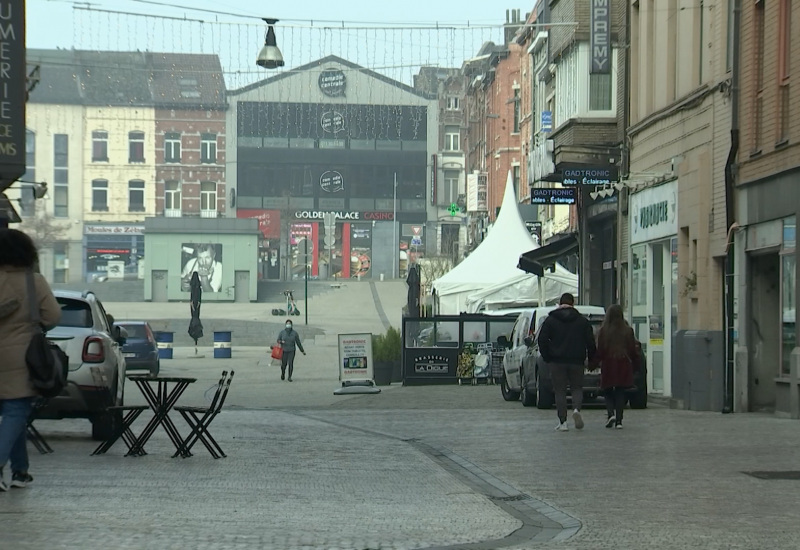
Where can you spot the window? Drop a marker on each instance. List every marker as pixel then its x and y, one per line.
pixel 758 82
pixel 136 196
pixel 61 175
pixel 452 103
pixel 208 148
pixel 172 196
pixel 27 200
pixel 784 65
pixel 451 178
pixel 452 138
pixel 99 195
pixel 208 196
pixel 60 268
pixel 99 146
pixel 515 175
pixel 172 147
pixel 517 106
pixel 136 147
pixel 600 92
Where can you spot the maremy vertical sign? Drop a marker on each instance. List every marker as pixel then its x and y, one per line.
pixel 13 87
pixel 355 357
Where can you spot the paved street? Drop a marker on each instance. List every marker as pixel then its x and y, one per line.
pixel 451 467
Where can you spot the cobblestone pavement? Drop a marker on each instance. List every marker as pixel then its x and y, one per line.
pixel 436 467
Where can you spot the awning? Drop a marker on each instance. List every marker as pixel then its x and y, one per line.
pixel 545 257
pixel 7 210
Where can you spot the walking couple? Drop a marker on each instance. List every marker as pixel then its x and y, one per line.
pixel 566 341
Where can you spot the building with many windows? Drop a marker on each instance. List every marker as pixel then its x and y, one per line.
pixel 96 126
pixel 334 140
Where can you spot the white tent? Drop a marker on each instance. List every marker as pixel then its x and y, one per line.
pixel 523 290
pixel 494 261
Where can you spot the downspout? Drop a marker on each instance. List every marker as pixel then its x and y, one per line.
pixel 729 289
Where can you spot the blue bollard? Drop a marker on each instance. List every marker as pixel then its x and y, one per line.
pixel 164 341
pixel 222 344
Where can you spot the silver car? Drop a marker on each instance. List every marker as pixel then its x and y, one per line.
pixel 96 377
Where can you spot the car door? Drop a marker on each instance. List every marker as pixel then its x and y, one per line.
pixel 518 350
pixel 510 368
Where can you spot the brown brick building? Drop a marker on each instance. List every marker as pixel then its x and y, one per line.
pixel 767 208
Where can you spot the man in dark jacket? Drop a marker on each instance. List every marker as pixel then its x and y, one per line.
pixel 289 341
pixel 566 340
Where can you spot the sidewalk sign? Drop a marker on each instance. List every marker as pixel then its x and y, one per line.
pixel 355 364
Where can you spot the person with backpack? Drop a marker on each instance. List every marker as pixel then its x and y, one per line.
pixel 18 255
pixel 289 341
pixel 566 340
pixel 618 356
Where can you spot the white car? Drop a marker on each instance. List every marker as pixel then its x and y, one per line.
pixel 96 377
pixel 523 353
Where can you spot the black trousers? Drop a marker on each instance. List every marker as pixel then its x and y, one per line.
pixel 615 401
pixel 563 375
pixel 287 359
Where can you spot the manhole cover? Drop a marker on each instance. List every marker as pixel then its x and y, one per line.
pixel 793 474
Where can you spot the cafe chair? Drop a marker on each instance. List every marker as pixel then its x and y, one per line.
pixel 124 431
pixel 34 436
pixel 199 419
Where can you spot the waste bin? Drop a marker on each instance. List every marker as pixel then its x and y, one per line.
pixel 164 339
pixel 222 344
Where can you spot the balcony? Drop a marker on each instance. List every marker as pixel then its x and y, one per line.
pixel 209 214
pixel 172 213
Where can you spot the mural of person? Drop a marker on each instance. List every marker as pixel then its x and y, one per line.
pixel 204 262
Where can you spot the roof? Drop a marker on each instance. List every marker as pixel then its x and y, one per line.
pixel 323 61
pixel 147 79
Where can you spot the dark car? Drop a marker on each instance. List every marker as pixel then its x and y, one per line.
pixel 140 349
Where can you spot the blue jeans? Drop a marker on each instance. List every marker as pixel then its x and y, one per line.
pixel 13 432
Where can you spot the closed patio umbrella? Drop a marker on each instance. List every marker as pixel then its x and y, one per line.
pixel 195 326
pixel 413 282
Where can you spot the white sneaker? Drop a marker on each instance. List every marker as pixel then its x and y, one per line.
pixel 562 427
pixel 576 416
pixel 611 421
pixel 618 426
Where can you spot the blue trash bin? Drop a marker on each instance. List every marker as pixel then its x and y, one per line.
pixel 222 344
pixel 164 341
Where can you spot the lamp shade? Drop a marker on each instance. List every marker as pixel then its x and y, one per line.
pixel 270 56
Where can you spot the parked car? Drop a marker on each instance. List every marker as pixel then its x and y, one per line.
pixel 140 349
pixel 527 375
pixel 96 377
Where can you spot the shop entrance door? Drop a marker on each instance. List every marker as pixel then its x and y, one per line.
pixel 764 331
pixel 241 289
pixel 660 319
pixel 159 285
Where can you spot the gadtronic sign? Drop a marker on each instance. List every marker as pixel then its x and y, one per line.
pixel 584 174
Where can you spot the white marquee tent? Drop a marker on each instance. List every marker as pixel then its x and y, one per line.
pixel 523 290
pixel 493 265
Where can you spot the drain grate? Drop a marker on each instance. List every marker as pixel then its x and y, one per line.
pixel 790 474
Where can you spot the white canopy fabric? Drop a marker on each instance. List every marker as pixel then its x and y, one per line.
pixel 494 261
pixel 523 290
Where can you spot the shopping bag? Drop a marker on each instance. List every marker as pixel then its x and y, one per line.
pixel 277 352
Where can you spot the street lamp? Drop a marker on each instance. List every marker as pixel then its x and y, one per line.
pixel 270 56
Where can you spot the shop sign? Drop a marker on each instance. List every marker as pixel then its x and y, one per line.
pixel 552 196
pixel 547 121
pixel 113 229
pixel 13 92
pixel 331 181
pixel 355 357
pixel 269 221
pixel 332 82
pixel 586 174
pixel 654 213
pixel 332 122
pixel 431 364
pixel 599 36
pixel 344 215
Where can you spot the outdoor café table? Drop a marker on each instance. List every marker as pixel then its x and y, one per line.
pixel 160 398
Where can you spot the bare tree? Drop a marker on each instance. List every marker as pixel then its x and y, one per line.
pixel 433 267
pixel 42 227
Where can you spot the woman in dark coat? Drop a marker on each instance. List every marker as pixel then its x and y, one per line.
pixel 618 358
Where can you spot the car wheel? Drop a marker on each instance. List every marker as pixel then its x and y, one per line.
pixel 528 397
pixel 508 393
pixel 638 400
pixel 155 370
pixel 544 399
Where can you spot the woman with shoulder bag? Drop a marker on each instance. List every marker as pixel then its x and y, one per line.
pixel 618 358
pixel 18 255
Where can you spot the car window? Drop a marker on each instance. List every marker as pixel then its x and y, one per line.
pixel 135 331
pixel 74 313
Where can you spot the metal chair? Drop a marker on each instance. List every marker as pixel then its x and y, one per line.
pixel 199 424
pixel 34 436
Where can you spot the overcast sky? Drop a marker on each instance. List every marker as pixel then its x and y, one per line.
pixel 353 29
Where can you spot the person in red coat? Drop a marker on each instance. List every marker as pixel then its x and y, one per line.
pixel 618 356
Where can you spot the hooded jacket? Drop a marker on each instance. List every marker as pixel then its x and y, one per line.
pixel 567 337
pixel 289 340
pixel 16 329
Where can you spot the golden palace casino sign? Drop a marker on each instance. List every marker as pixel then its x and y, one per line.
pixel 12 91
